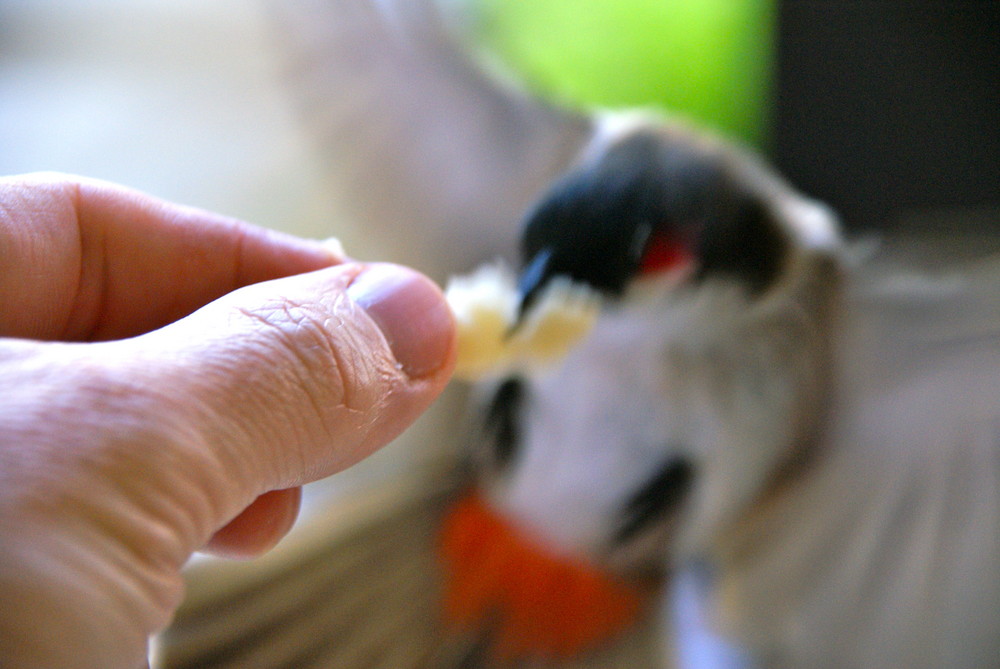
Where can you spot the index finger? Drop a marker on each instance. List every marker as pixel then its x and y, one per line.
pixel 88 260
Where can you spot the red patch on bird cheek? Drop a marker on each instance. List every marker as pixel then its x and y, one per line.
pixel 536 603
pixel 663 254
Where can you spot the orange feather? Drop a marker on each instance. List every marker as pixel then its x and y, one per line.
pixel 536 602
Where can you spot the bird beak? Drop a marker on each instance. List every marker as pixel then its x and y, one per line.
pixel 531 283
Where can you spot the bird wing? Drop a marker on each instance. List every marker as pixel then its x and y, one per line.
pixel 357 586
pixel 434 156
pixel 885 550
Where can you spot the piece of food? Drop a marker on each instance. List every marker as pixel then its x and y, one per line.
pixel 485 304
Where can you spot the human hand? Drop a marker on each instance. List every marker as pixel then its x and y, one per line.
pixel 164 390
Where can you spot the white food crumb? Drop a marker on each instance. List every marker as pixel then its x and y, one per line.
pixel 485 307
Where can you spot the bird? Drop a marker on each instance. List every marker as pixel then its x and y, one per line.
pixel 771 446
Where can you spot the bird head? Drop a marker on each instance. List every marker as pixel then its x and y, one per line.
pixel 643 205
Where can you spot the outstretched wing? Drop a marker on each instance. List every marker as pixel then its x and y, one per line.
pixel 435 158
pixel 885 550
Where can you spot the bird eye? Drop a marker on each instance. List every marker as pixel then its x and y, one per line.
pixel 656 499
pixel 503 419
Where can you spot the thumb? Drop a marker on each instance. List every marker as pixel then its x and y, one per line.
pixel 285 382
pixel 122 458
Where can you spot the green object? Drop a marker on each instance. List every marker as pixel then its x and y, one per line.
pixel 709 60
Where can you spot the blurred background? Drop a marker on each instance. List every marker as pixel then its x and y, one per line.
pixel 177 97
pixel 885 109
pixel 879 107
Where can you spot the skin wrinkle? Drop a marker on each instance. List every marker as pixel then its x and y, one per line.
pixel 131 560
pixel 192 265
pixel 139 445
pixel 203 466
pixel 372 417
pixel 94 303
pixel 305 357
pixel 104 296
pixel 195 466
pixel 168 532
pixel 294 346
pixel 308 341
pixel 251 392
pixel 24 413
pixel 374 373
pixel 115 580
pixel 381 373
pixel 347 326
pixel 78 569
pixel 73 192
pixel 239 274
pixel 187 457
pixel 138 527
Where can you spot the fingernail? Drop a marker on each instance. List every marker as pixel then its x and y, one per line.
pixel 410 311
